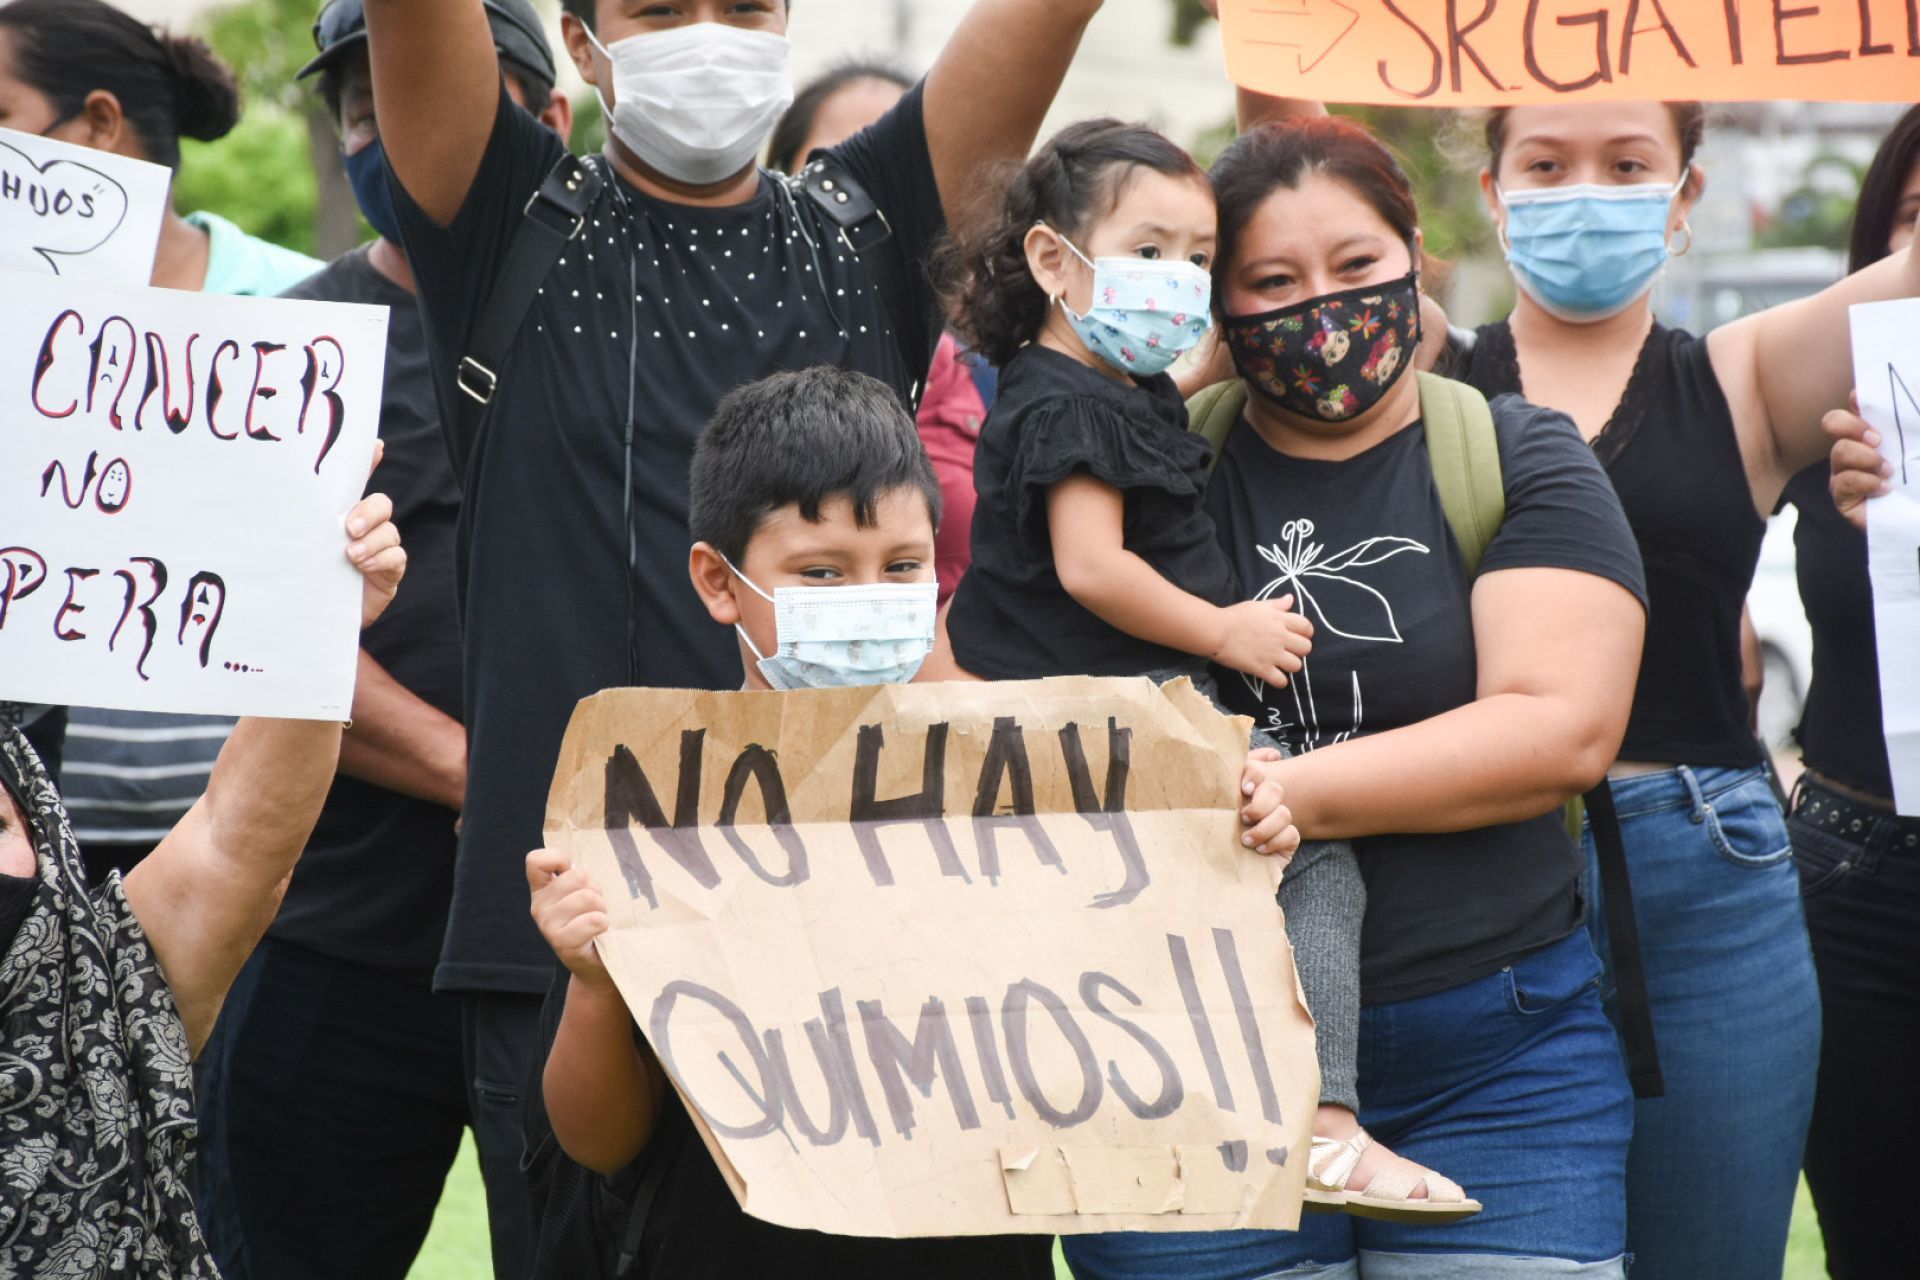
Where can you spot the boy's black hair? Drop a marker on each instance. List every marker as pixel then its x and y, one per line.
pixel 584 10
pixel 803 438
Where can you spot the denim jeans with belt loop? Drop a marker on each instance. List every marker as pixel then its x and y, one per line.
pixel 1860 880
pixel 1736 1014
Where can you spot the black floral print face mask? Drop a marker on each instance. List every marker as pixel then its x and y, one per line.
pixel 1334 357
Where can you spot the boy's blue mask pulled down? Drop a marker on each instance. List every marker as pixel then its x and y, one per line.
pixel 1588 252
pixel 1146 312
pixel 835 637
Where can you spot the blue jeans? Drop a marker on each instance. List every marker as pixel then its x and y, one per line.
pixel 1512 1085
pixel 1736 1015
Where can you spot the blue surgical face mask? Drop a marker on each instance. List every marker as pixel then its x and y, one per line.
pixel 1145 312
pixel 367 174
pixel 834 637
pixel 1588 252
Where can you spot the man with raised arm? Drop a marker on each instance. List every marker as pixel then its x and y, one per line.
pixel 693 273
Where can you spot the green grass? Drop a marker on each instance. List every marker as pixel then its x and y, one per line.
pixel 456 1248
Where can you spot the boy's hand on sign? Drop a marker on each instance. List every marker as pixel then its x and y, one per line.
pixel 1859 470
pixel 570 913
pixel 375 550
pixel 1266 639
pixel 1269 822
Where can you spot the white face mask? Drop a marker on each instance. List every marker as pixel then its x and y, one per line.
pixel 834 637
pixel 696 103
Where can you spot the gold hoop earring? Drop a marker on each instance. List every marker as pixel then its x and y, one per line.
pixel 1681 252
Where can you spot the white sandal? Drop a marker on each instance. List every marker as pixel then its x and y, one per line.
pixel 1389 1195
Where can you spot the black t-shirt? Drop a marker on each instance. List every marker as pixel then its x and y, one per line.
pixel 1840 726
pixel 1365 546
pixel 1673 457
pixel 672 306
pixel 375 880
pixel 696 1230
pixel 1055 417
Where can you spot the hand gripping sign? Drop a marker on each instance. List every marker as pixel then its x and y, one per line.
pixel 1455 53
pixel 956 959
pixel 175 469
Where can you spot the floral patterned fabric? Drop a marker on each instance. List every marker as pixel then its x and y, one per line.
pixel 96 1093
pixel 1331 358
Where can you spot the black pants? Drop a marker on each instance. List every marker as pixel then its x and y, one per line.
pixel 1860 878
pixel 500 1040
pixel 332 1104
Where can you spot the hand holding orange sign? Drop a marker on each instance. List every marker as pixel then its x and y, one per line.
pixel 1500 52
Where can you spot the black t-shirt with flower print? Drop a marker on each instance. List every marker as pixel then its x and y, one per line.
pixel 1365 547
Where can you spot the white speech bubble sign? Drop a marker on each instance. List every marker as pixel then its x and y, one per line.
pixel 76 212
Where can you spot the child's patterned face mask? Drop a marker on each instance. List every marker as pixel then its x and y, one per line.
pixel 1330 358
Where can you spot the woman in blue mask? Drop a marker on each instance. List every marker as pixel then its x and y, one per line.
pixel 1700 436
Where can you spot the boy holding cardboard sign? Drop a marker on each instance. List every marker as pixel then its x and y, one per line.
pixel 803 481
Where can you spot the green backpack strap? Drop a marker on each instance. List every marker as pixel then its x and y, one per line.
pixel 1465 455
pixel 1213 410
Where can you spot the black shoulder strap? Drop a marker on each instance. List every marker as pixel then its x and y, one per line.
pixel 1623 935
pixel 864 229
pixel 553 216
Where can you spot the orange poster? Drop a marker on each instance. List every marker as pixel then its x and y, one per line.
pixel 1490 52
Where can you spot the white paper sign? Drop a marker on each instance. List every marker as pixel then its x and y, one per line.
pixel 76 212
pixel 175 472
pixel 1886 370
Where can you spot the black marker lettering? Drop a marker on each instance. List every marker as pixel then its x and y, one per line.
pixel 44 362
pixel 216 389
pixel 986 1048
pixel 329 368
pixel 1868 49
pixel 1108 814
pixel 1665 24
pixel 757 763
pixel 25 571
pixel 73 500
pixel 1229 953
pixel 261 350
pixel 74 578
pixel 1602 71
pixel 927 807
pixel 160 378
pixel 118 367
pixel 86 205
pixel 1433 50
pixel 149 625
pixel 932 1052
pixel 833 1051
pixel 1013 1021
pixel 114 489
pixel 1007 759
pixel 1457 43
pixel 1172 1092
pixel 1202 1026
pixel 767 1098
pixel 629 796
pixel 204 605
pixel 1781 17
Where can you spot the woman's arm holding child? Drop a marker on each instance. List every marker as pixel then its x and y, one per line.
pixel 1085 518
pixel 603 1089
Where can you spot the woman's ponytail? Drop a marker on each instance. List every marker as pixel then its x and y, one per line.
pixel 168 86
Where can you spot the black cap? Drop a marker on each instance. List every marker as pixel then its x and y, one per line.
pixel 517 35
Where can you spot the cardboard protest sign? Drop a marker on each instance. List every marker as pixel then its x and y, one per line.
pixel 1455 53
pixel 76 212
pixel 1886 370
pixel 952 959
pixel 174 473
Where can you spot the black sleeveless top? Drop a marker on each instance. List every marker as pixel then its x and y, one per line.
pixel 1839 731
pixel 1671 453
